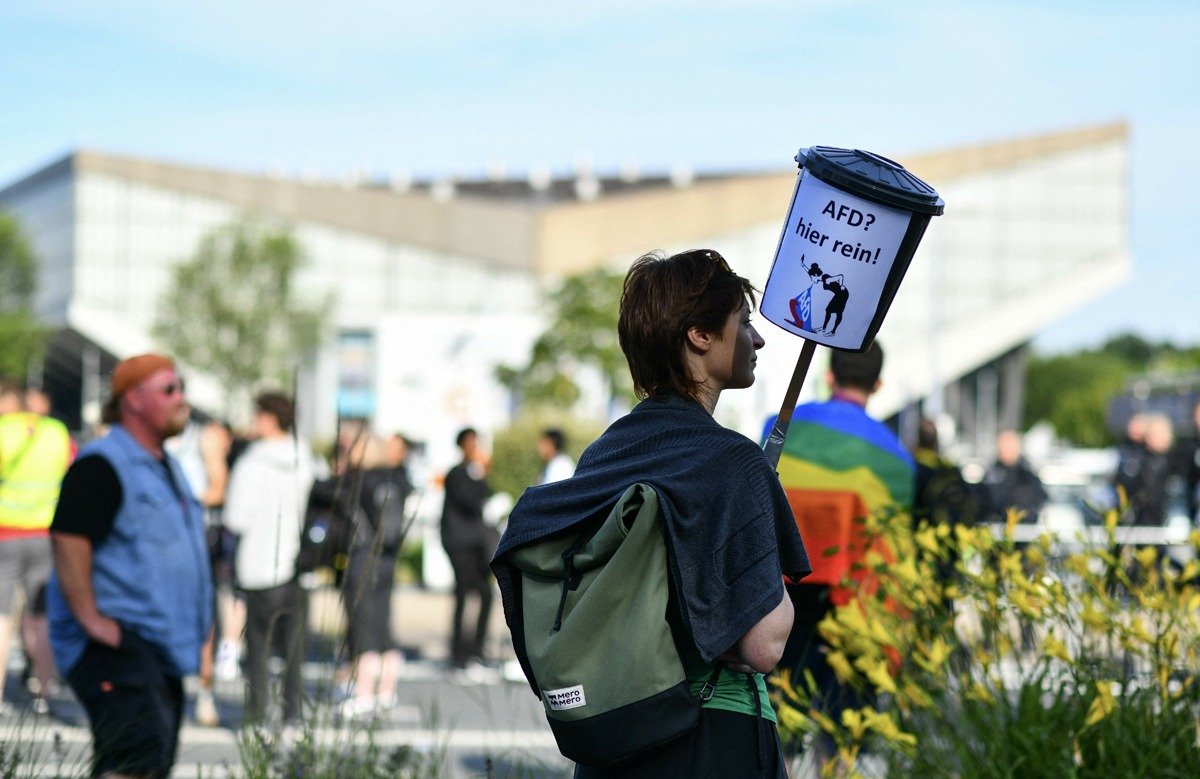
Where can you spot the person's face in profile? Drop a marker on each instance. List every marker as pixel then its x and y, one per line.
pixel 731 361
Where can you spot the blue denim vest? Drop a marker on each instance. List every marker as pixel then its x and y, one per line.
pixel 151 574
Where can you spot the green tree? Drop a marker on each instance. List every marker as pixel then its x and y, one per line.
pixel 21 337
pixel 515 461
pixel 1072 392
pixel 582 332
pixel 232 310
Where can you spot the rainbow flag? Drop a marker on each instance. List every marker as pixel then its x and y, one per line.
pixel 838 466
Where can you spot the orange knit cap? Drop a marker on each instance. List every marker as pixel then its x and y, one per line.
pixel 132 372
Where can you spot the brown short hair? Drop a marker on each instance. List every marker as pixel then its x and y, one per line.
pixel 662 299
pixel 278 405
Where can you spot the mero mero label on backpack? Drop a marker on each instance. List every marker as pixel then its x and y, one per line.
pixel 565 698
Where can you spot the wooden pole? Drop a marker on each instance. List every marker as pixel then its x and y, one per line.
pixel 774 444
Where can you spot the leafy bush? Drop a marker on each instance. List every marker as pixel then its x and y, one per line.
pixel 1020 663
pixel 515 461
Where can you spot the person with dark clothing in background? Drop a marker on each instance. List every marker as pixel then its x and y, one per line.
pixel 1148 491
pixel 469 542
pixel 1131 454
pixel 380 484
pixel 1011 484
pixel 942 495
pixel 1187 455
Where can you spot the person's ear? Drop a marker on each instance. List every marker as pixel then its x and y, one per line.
pixel 699 340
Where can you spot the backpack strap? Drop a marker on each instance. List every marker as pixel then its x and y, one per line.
pixel 710 686
pixel 570 576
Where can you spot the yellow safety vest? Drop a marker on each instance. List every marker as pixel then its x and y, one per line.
pixel 34 454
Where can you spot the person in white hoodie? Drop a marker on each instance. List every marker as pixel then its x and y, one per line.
pixel 265 503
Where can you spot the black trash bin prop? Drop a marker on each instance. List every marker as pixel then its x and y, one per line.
pixel 853 227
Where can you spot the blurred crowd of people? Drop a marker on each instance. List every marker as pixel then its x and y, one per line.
pixel 277 520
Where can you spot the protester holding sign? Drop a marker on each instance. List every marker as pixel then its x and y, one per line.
pixel 685 329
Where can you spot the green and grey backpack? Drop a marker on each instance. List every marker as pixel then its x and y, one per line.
pixel 597 638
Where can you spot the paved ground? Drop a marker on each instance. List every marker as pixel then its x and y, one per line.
pixel 455 722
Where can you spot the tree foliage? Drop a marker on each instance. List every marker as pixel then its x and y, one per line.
pixel 21 337
pixel 582 332
pixel 232 310
pixel 1072 391
pixel 515 461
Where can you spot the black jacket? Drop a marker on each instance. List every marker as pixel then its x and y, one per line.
pixel 730 531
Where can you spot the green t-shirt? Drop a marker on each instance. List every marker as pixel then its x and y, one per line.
pixel 733 691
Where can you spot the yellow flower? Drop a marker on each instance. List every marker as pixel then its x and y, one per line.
pixel 1147 556
pixel 1030 607
pixel 981 693
pixel 1102 705
pixel 1078 564
pixel 1013 517
pixel 917 696
pixel 926 538
pixel 874 561
pixel 821 719
pixel 1110 519
pixel 852 720
pixel 883 724
pixel 792 720
pixel 877 672
pixel 1093 617
pixel 1055 648
pixel 1010 562
pixel 840 665
pixel 1137 627
pixel 932 656
pixel 906 572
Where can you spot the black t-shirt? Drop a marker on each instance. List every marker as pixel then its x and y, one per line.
pixel 90 498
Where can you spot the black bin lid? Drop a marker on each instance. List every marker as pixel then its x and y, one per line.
pixel 872 177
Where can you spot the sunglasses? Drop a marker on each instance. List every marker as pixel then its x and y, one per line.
pixel 172 387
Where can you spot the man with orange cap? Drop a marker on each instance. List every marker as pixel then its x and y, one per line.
pixel 130 597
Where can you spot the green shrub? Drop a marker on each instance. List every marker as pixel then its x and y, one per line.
pixel 1022 664
pixel 515 461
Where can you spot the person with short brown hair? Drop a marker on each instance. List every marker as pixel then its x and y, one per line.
pixel 685 328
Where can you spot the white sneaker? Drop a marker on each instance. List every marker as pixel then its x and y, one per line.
pixel 225 666
pixel 206 710
pixel 353 708
pixel 478 673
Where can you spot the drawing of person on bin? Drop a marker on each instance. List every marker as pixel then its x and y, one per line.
pixel 837 303
pixel 801 305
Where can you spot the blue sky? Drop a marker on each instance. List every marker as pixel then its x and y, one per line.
pixel 434 88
